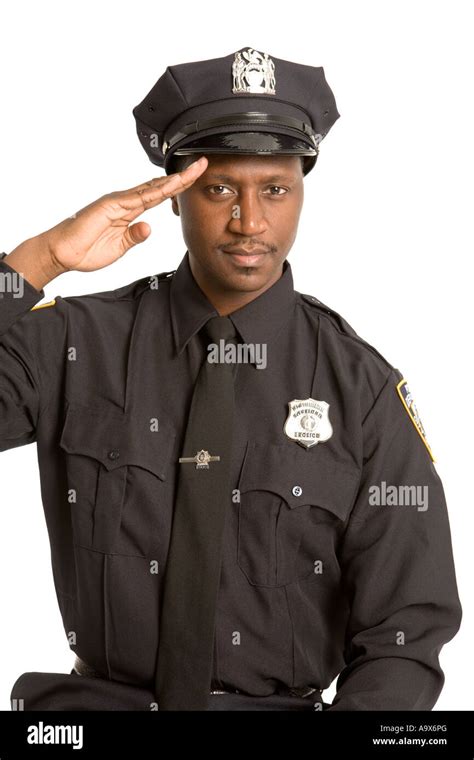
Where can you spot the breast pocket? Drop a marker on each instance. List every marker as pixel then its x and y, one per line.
pixel 116 466
pixel 294 505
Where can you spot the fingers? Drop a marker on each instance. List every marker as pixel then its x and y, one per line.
pixel 135 234
pixel 152 193
pixel 201 164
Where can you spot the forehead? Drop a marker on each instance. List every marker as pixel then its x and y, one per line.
pixel 240 165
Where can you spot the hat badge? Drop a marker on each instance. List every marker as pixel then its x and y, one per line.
pixel 254 72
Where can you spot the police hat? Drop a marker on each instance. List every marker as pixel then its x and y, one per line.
pixel 246 102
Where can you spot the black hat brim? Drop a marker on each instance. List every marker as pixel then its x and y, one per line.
pixel 246 142
pixel 254 143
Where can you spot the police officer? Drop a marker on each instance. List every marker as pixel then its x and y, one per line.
pixel 240 495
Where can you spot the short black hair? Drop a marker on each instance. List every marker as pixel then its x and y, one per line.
pixel 178 163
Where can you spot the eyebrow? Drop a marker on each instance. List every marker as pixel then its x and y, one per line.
pixel 273 178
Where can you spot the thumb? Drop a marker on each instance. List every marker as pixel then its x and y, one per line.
pixel 136 233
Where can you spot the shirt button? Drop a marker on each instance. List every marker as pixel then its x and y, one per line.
pixel 114 454
pixel 296 490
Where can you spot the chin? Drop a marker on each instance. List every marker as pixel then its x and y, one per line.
pixel 248 280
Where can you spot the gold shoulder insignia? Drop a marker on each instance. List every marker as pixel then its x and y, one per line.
pixel 44 305
pixel 410 406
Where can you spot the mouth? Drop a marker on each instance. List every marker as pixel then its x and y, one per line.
pixel 245 256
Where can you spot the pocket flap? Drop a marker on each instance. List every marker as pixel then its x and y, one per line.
pixel 116 439
pixel 301 476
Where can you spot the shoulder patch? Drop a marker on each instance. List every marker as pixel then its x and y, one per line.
pixel 44 305
pixel 410 406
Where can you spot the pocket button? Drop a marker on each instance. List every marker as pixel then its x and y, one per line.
pixel 293 509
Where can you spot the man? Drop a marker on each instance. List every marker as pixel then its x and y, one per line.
pixel 240 496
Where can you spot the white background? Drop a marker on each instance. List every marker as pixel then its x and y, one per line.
pixel 385 236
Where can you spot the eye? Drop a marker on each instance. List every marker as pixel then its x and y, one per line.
pixel 213 187
pixel 277 187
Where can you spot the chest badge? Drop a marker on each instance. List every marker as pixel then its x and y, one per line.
pixel 308 422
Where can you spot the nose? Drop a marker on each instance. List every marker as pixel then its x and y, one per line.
pixel 248 215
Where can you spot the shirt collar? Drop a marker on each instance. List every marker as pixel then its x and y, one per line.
pixel 256 322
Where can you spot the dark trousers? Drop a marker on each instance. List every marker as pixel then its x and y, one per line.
pixel 61 691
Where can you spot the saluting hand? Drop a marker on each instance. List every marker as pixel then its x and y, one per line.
pixel 101 232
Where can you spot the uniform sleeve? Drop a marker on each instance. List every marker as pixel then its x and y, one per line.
pixel 397 568
pixel 19 376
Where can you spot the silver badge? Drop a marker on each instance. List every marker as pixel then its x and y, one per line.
pixel 253 72
pixel 308 421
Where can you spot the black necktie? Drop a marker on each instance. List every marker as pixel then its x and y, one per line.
pixel 192 573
